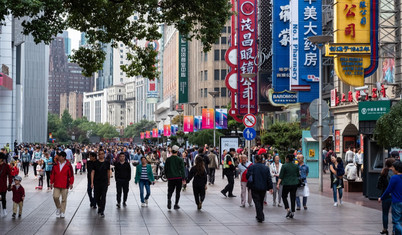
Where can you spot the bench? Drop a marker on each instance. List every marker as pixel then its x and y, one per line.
pixel 353 186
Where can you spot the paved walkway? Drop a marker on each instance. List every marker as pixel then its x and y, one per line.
pixel 218 216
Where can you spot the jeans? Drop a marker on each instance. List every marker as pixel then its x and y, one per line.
pixel 48 173
pixel 386 205
pixel 121 184
pixel 258 198
pixel 172 186
pixel 339 191
pixel 40 183
pixel 34 168
pixel 230 185
pixel 199 193
pixel 100 191
pixel 397 217
pixel 90 194
pixel 292 190
pixel 142 184
pixel 212 175
pixel 298 201
pixel 25 166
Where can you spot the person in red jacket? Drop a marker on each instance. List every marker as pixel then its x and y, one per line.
pixel 5 173
pixel 18 196
pixel 61 179
pixel 14 169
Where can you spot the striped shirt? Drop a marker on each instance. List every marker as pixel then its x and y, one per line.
pixel 144 173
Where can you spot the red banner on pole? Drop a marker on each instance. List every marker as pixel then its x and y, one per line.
pixel 188 125
pixel 142 134
pixel 166 130
pixel 208 118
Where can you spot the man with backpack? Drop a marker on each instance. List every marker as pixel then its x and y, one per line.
pixel 243 167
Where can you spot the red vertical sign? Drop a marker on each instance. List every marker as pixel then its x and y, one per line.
pixel 337 141
pixel 247 55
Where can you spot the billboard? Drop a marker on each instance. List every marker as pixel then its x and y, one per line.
pixel 188 124
pixel 197 123
pixel 207 118
pixel 166 130
pixel 221 119
pixel 183 70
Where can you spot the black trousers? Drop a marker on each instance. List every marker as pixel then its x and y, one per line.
pixel 90 194
pixel 285 191
pixel 172 186
pixel 199 193
pixel 48 173
pixel 100 191
pixel 211 175
pixel 34 168
pixel 229 187
pixel 121 185
pixel 359 169
pixel 25 166
pixel 3 199
pixel 258 198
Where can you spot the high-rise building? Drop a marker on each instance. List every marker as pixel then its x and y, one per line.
pixel 64 77
pixel 67 43
pixel 72 102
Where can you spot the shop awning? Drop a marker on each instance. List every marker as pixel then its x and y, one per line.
pixel 6 81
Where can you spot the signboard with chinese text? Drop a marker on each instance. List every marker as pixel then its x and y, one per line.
pixel 355 46
pixel 337 141
pixel 373 110
pixel 142 135
pixel 207 118
pixel 188 124
pixel 155 133
pixel 221 119
pixel 247 55
pixel 166 130
pixel 183 70
pixel 306 21
pixel 147 134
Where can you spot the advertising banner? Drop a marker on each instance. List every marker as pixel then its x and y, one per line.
pixel 221 119
pixel 166 130
pixel 147 134
pixel 247 55
pixel 183 70
pixel 174 129
pixel 373 110
pixel 155 133
pixel 337 141
pixel 188 124
pixel 197 123
pixel 142 135
pixel 207 118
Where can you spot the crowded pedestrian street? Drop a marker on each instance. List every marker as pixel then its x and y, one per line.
pixel 219 215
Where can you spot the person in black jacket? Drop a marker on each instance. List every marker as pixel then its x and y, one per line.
pixel 199 173
pixel 122 172
pixel 90 167
pixel 261 179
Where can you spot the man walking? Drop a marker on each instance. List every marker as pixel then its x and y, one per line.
pixel 61 179
pixel 122 171
pixel 228 170
pixel 212 166
pixel 100 181
pixel 90 167
pixel 26 159
pixel 261 183
pixel 174 169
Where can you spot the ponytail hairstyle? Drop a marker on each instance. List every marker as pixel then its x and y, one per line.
pixel 388 164
pixel 199 166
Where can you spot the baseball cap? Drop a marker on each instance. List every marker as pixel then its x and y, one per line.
pixel 18 178
pixel 175 148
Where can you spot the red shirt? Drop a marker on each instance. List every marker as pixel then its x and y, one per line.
pixel 4 173
pixel 15 171
pixel 63 178
pixel 18 194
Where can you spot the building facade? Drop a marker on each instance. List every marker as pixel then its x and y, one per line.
pixel 73 102
pixel 95 106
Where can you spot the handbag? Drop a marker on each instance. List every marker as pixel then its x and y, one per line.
pixel 301 183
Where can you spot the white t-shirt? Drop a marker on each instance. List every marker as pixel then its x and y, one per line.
pixel 349 156
pixel 351 171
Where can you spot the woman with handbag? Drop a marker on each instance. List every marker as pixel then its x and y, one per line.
pixel 144 176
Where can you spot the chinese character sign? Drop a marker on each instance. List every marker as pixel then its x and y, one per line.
pixel 247 55
pixel 197 123
pixel 355 45
pixel 183 70
pixel 147 134
pixel 221 119
pixel 281 45
pixel 155 133
pixel 188 124
pixel 166 130
pixel 207 118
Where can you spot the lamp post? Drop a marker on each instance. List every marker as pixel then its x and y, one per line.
pixel 320 41
pixel 170 118
pixel 214 94
pixel 193 104
pixel 248 76
pixel 163 126
pixel 180 111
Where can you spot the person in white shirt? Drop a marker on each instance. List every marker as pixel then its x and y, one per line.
pixel 349 155
pixel 69 154
pixel 351 172
pixel 358 160
pixel 275 169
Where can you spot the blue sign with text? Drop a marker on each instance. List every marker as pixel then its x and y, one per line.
pixel 249 133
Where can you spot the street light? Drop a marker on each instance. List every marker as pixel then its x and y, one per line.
pixel 170 118
pixel 163 127
pixel 180 111
pixel 214 94
pixel 193 104
pixel 320 41
pixel 248 76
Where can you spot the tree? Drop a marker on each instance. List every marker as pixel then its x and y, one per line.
pixel 388 130
pixel 66 120
pixel 136 128
pixel 203 137
pixel 107 131
pixel 283 136
pixel 178 119
pixel 53 123
pixel 109 21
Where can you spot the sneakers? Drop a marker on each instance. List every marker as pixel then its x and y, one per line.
pixel 340 202
pixel 102 215
pixel 274 204
pixel 250 205
pixel 62 215
pixel 176 207
pixel 232 195
pixel 19 216
pixel 279 205
pixel 146 201
pixel 57 212
pixel 339 186
pixel 4 212
pixel 335 204
pixel 143 205
pixel 243 206
pixel 118 205
pixel 13 215
pixel 291 215
pixel 169 205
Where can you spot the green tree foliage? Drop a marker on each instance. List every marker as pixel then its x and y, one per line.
pixel 66 120
pixel 136 128
pixel 283 136
pixel 108 21
pixel 388 130
pixel 203 137
pixel 53 123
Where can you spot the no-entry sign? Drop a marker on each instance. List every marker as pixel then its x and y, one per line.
pixel 249 120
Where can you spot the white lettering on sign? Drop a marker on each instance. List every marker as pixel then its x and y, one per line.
pixel 310 13
pixel 311 59
pixel 284 37
pixel 284 15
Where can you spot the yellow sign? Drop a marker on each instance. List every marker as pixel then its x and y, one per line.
pixel 311 153
pixel 355 48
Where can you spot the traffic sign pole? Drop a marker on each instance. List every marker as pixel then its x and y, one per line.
pixel 248 111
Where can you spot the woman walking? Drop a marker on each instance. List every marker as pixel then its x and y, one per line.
pixel 199 173
pixel 289 178
pixel 144 176
pixel 275 168
pixel 100 181
pixel 395 189
pixel 336 182
pixel 382 185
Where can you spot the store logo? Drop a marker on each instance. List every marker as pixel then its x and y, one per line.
pixel 364 111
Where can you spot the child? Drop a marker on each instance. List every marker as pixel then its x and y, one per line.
pixel 41 173
pixel 18 196
pixel 14 169
pixel 78 166
pixel 340 171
